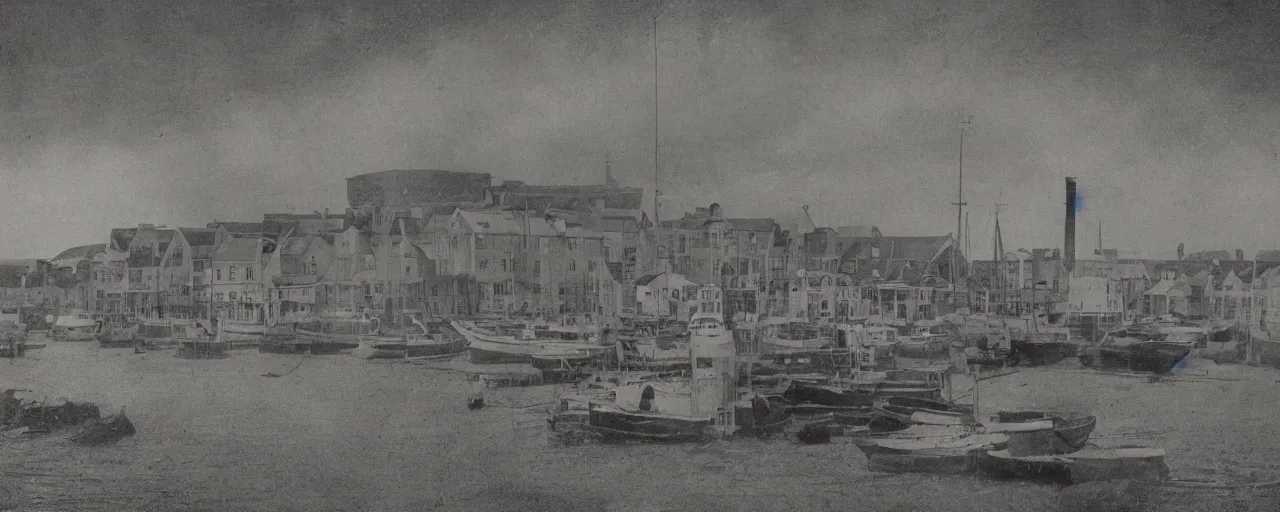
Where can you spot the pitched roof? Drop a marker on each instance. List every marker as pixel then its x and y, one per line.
pixel 237 249
pixel 239 228
pixel 80 252
pixel 120 238
pixel 199 237
pixel 798 223
pixel 858 231
pixel 1272 255
pixel 1209 256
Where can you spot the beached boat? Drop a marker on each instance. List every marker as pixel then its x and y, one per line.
pixel 75 326
pixel 762 415
pixel 946 454
pixel 1137 348
pixel 929 341
pixel 799 336
pixel 1045 433
pixel 335 331
pixel 810 393
pixel 242 334
pixel 119 336
pixel 648 412
pixel 487 348
pixel 895 413
pixel 1088 465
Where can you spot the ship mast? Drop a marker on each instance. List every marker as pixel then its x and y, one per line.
pixel 959 204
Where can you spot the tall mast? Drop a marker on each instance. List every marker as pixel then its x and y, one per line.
pixel 959 204
pixel 656 192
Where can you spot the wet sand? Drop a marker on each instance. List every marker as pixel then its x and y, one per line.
pixel 342 433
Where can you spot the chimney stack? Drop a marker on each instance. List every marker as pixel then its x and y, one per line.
pixel 1069 228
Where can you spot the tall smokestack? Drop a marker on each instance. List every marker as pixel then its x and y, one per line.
pixel 1069 228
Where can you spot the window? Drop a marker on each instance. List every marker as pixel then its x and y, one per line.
pixel 377 288
pixel 504 264
pixel 232 296
pixel 248 273
pixel 407 270
pixel 231 274
pixel 311 266
pixel 217 274
pixel 218 297
pixel 681 247
pixel 483 264
pixel 481 243
pixel 435 290
pixel 573 265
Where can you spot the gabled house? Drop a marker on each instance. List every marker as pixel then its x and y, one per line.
pixel 143 260
pixel 238 294
pixel 294 277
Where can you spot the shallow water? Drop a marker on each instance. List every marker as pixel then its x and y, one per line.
pixel 342 433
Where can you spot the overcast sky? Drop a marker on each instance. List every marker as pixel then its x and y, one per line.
pixel 180 113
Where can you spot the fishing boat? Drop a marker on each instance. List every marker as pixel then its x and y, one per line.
pixel 1045 433
pixel 117 336
pixel 874 345
pixel 799 336
pixel 332 332
pixel 1092 464
pixel 946 454
pixel 896 413
pixel 238 334
pixel 762 415
pixel 200 345
pixel 648 412
pixel 493 348
pixel 929 341
pixel 75 326
pixel 1146 349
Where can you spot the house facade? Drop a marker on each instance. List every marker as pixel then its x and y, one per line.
pixel 238 292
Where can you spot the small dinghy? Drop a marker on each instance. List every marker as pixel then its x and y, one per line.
pixel 1126 463
pixel 945 454
pixel 1044 433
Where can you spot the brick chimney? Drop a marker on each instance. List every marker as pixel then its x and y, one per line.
pixel 1069 228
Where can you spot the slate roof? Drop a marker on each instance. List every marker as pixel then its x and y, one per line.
pixel 857 231
pixel 1210 256
pixel 237 249
pixel 148 246
pixel 1272 255
pixel 239 228
pixel 510 223
pixel 121 237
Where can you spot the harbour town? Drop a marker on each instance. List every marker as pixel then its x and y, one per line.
pixel 652 256
pixel 891 353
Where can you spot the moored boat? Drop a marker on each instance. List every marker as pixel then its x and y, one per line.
pixel 1093 464
pixel 1045 433
pixel 242 334
pixel 119 336
pixel 944 454
pixel 75 326
pixel 499 349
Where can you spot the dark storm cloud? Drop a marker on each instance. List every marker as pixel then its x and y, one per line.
pixel 184 112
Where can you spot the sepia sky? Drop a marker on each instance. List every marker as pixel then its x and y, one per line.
pixel 183 112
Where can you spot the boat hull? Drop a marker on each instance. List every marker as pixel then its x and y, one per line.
pixel 1143 464
pixel 1043 353
pixel 953 455
pixel 202 350
pixel 914 349
pixel 242 335
pixel 626 426
pixel 1065 433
